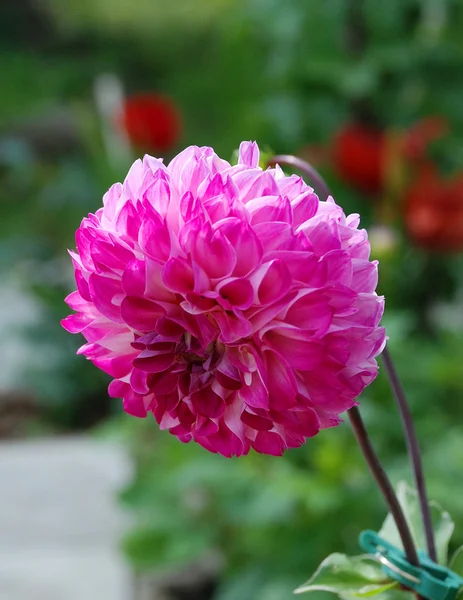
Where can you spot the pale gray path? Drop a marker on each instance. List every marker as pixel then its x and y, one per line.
pixel 60 524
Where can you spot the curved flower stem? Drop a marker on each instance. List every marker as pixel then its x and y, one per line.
pixel 384 484
pixel 293 161
pixel 413 449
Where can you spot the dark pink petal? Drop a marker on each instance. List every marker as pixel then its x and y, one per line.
pixel 256 422
pixel 205 427
pixel 140 313
pixel 269 442
pixel 233 326
pixel 301 354
pixel 154 362
pixel 255 393
pixel 280 382
pixel 208 403
pixel 237 292
pixel 134 405
pixel 301 422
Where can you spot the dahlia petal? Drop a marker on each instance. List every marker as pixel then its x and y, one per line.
pixel 140 313
pixel 249 154
pixel 255 394
pixel 154 362
pixel 178 276
pixel 237 292
pixel 271 281
pixel 304 207
pixel 246 244
pixel 207 403
pixel 280 380
pixel 268 209
pixel 256 422
pixel 134 405
pixel 154 240
pixel 269 442
pixel 106 294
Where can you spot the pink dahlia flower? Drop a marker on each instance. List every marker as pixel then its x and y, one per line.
pixel 228 301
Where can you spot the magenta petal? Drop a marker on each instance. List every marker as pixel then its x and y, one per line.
pixel 255 394
pixel 134 278
pixel 208 403
pixel 272 282
pixel 178 276
pixel 140 313
pixel 154 240
pixel 106 294
pixel 256 422
pixel 238 292
pixel 246 244
pixel 154 362
pixel 269 442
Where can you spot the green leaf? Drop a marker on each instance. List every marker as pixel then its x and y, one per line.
pixel 348 576
pixel 456 562
pixel 442 523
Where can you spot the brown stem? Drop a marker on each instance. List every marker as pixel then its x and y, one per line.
pixel 384 484
pixel 413 449
pixel 297 163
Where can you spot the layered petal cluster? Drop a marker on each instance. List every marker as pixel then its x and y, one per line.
pixel 228 301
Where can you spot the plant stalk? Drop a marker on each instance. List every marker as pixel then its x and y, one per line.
pixel 384 484
pixel 413 449
pixel 297 163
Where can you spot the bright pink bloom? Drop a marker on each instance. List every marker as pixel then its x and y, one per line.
pixel 228 301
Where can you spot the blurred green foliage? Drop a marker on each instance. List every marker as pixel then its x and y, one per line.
pixel 278 71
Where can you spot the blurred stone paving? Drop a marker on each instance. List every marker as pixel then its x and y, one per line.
pixel 60 524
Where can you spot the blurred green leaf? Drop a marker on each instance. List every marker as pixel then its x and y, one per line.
pixel 348 576
pixel 442 523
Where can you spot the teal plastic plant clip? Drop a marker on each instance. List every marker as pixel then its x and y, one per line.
pixel 430 580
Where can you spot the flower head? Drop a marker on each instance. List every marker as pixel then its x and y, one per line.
pixel 151 121
pixel 228 301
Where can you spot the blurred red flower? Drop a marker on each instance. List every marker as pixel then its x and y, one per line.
pixel 433 211
pixel 358 156
pixel 421 135
pixel 365 157
pixel 151 121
